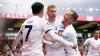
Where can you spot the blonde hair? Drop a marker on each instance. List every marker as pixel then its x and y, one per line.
pixel 51 6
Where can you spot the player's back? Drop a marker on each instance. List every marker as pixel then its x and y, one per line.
pixel 32 37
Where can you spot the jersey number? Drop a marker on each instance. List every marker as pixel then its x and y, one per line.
pixel 30 28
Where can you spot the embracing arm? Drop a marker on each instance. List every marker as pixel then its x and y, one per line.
pixel 60 39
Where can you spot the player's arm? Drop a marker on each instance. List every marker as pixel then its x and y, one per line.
pixel 17 39
pixel 52 44
pixel 43 48
pixel 61 40
pixel 47 42
pixel 85 46
pixel 50 41
pixel 48 38
pixel 56 37
pixel 85 49
pixel 60 33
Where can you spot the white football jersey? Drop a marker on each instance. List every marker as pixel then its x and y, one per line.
pixel 93 47
pixel 69 34
pixel 54 49
pixel 32 30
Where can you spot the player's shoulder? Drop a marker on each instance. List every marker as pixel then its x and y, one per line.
pixel 69 29
pixel 89 39
pixel 27 20
pixel 35 19
pixel 43 21
pixel 61 26
pixel 99 39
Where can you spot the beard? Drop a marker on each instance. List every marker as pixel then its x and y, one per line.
pixel 63 21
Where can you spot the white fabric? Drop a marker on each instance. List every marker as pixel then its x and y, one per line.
pixel 54 49
pixel 33 45
pixel 69 34
pixel 60 39
pixel 93 47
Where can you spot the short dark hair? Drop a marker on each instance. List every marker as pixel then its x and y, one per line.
pixel 96 31
pixel 75 15
pixel 37 7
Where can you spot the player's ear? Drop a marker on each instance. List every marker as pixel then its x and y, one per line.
pixel 42 12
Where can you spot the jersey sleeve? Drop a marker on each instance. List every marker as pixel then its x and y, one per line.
pixel 17 38
pixel 61 28
pixel 45 26
pixel 52 44
pixel 86 42
pixel 47 42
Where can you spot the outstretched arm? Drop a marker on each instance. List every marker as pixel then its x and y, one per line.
pixel 17 39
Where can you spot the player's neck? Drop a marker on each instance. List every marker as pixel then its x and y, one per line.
pixel 66 24
pixel 96 38
pixel 39 15
pixel 51 20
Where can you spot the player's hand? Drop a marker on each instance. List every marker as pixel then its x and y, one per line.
pixel 44 51
pixel 14 50
pixel 74 46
